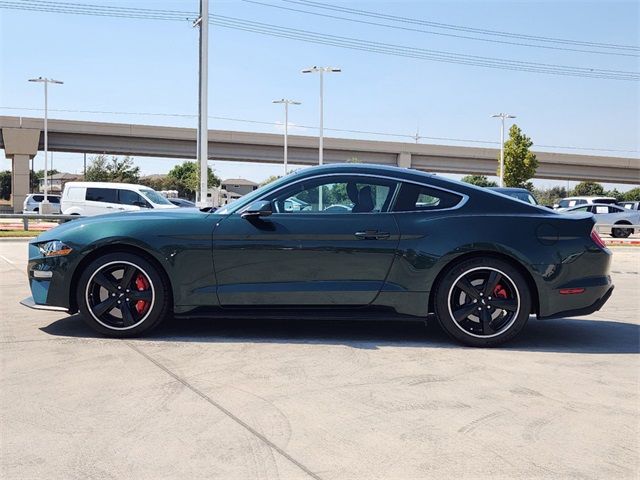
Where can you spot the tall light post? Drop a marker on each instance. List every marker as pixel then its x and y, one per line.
pixel 202 142
pixel 44 207
pixel 321 71
pixel 286 102
pixel 502 116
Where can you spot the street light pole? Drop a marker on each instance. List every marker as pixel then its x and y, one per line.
pixel 321 71
pixel 46 81
pixel 286 102
pixel 502 117
pixel 203 129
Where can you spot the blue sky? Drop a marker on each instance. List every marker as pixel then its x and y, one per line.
pixel 134 65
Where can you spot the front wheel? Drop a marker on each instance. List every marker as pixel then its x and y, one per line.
pixel 122 295
pixel 482 302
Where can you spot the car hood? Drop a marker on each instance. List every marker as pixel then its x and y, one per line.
pixel 100 221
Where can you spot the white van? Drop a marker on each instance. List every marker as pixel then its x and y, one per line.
pixel 96 198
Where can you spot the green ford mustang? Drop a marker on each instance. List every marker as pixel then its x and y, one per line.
pixel 357 241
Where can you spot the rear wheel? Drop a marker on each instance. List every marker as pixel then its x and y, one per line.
pixel 621 232
pixel 122 295
pixel 482 302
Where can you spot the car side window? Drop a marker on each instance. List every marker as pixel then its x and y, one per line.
pixel 129 197
pixel 584 209
pixel 414 197
pixel 335 194
pixel 108 195
pixel 601 209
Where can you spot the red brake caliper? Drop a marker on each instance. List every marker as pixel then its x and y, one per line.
pixel 499 291
pixel 141 284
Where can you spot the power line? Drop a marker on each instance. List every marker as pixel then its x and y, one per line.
pixel 430 32
pixel 414 52
pixel 311 127
pixel 448 26
pixel 326 39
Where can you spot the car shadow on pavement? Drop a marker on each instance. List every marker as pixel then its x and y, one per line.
pixel 560 335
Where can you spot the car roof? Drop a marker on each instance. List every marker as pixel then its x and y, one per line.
pixel 105 185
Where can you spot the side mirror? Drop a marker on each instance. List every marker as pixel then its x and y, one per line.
pixel 261 208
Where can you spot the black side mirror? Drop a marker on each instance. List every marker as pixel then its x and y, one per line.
pixel 261 208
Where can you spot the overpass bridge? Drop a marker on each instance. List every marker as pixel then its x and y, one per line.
pixel 22 138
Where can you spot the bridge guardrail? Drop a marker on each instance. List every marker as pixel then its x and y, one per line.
pixel 25 217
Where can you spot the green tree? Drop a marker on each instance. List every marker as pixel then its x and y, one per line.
pixel 97 169
pixel 185 178
pixel 520 164
pixel 155 182
pixel 479 180
pixel 123 170
pixel 5 184
pixel 550 196
pixel 114 169
pixel 632 195
pixel 270 179
pixel 587 189
pixel 619 196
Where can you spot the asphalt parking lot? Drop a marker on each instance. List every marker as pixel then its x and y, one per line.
pixel 265 400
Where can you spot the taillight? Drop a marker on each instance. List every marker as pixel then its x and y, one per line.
pixel 595 237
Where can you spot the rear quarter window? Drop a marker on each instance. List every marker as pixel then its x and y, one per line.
pixel 420 198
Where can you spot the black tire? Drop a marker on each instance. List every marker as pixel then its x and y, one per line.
pixel 119 306
pixel 36 210
pixel 621 232
pixel 469 297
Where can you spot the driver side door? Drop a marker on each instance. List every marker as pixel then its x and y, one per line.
pixel 329 240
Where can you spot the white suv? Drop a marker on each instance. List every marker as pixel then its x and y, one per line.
pixel 570 202
pixel 96 198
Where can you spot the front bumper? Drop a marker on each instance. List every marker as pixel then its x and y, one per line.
pixel 31 303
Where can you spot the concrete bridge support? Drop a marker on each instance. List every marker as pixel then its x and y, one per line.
pixel 20 145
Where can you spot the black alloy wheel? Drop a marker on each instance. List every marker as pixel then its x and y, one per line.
pixel 483 302
pixel 122 295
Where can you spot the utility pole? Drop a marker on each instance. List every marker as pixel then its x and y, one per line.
pixel 85 167
pixel 45 207
pixel 286 102
pixel 202 142
pixel 502 116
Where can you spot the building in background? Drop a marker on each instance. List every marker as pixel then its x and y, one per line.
pixel 240 186
pixel 57 181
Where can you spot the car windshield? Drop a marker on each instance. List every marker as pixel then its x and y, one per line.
pixel 155 197
pixel 233 206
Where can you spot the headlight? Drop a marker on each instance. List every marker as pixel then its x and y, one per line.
pixel 54 248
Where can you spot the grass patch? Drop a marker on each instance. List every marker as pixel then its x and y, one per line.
pixel 19 233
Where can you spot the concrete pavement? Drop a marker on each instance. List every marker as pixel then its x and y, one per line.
pixel 267 399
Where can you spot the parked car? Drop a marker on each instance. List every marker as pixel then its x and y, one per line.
pixel 96 198
pixel 611 215
pixel 33 201
pixel 518 193
pixel 570 202
pixel 630 205
pixel 182 202
pixel 411 244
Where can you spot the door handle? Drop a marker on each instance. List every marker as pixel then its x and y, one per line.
pixel 372 235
